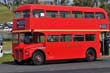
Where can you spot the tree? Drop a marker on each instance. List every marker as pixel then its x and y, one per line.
pixel 103 1
pixel 89 3
pixel 8 4
pixel 105 6
pixel 62 2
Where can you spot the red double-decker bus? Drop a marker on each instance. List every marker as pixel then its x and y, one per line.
pixel 47 32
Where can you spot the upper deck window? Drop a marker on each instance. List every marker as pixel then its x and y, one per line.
pixel 26 13
pixel 17 14
pixel 52 14
pixel 89 15
pixel 65 14
pixel 77 14
pixel 38 13
pixel 100 15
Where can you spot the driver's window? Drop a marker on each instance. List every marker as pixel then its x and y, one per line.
pixel 39 37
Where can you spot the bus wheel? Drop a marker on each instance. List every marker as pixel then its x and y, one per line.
pixel 38 58
pixel 19 62
pixel 90 55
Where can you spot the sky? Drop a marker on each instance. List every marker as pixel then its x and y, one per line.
pixel 1 1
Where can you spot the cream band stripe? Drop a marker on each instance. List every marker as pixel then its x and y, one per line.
pixel 53 30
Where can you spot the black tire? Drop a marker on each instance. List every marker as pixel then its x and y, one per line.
pixel 19 62
pixel 38 58
pixel 90 55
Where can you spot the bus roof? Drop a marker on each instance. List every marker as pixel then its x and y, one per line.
pixel 58 7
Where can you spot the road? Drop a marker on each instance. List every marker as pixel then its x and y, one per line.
pixel 99 66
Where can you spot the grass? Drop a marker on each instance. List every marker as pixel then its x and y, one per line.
pixel 5 14
pixel 7 45
pixel 6 58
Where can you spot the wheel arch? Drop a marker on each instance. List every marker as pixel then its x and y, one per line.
pixel 92 48
pixel 39 50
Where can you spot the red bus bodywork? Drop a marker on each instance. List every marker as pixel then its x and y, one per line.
pixel 57 26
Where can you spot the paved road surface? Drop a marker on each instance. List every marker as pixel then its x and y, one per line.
pixel 100 66
pixel 101 70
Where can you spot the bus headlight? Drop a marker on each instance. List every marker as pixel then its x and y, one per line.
pixel 26 53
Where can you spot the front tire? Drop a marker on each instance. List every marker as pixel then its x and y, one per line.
pixel 90 55
pixel 38 58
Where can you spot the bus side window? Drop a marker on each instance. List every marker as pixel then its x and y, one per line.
pixel 52 14
pixel 90 37
pixel 66 38
pixel 77 14
pixel 53 38
pixel 38 13
pixel 77 38
pixel 89 15
pixel 100 15
pixel 65 14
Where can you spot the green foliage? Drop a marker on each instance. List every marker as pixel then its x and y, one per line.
pixel 89 3
pixel 104 7
pixel 103 1
pixel 7 44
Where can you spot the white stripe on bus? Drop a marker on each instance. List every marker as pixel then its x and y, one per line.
pixel 63 30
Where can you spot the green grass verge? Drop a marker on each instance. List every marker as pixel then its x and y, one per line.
pixel 7 45
pixel 6 58
pixel 5 14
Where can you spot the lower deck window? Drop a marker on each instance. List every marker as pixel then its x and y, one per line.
pixel 15 38
pixel 66 38
pixel 90 37
pixel 78 37
pixel 53 38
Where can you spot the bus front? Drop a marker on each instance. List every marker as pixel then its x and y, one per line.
pixel 25 40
